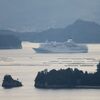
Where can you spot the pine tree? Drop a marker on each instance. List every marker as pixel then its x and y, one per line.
pixel 98 67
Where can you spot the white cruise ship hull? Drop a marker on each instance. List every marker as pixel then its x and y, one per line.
pixel 42 50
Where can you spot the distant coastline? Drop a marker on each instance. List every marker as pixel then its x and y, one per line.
pixel 8 41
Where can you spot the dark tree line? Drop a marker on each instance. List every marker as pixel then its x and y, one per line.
pixel 67 78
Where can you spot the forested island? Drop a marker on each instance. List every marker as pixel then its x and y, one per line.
pixel 9 42
pixel 68 78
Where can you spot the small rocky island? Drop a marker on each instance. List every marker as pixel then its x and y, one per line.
pixel 68 78
pixel 9 42
pixel 9 82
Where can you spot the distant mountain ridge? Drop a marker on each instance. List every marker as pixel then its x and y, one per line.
pixel 80 31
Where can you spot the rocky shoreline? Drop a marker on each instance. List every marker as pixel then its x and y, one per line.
pixel 66 87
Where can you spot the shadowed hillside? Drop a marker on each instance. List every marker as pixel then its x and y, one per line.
pixel 9 42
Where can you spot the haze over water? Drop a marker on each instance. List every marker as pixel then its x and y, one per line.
pixel 24 65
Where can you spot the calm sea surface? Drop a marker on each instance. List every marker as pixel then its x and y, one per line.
pixel 24 65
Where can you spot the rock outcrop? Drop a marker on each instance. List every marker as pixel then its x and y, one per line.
pixel 9 82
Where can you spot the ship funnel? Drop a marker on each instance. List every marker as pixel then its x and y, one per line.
pixel 70 40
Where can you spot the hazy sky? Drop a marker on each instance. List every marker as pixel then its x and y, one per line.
pixel 41 14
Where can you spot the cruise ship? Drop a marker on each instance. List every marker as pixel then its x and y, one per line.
pixel 68 46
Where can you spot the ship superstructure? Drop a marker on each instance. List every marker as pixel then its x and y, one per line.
pixel 68 46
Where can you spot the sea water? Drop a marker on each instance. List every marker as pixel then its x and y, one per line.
pixel 24 64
